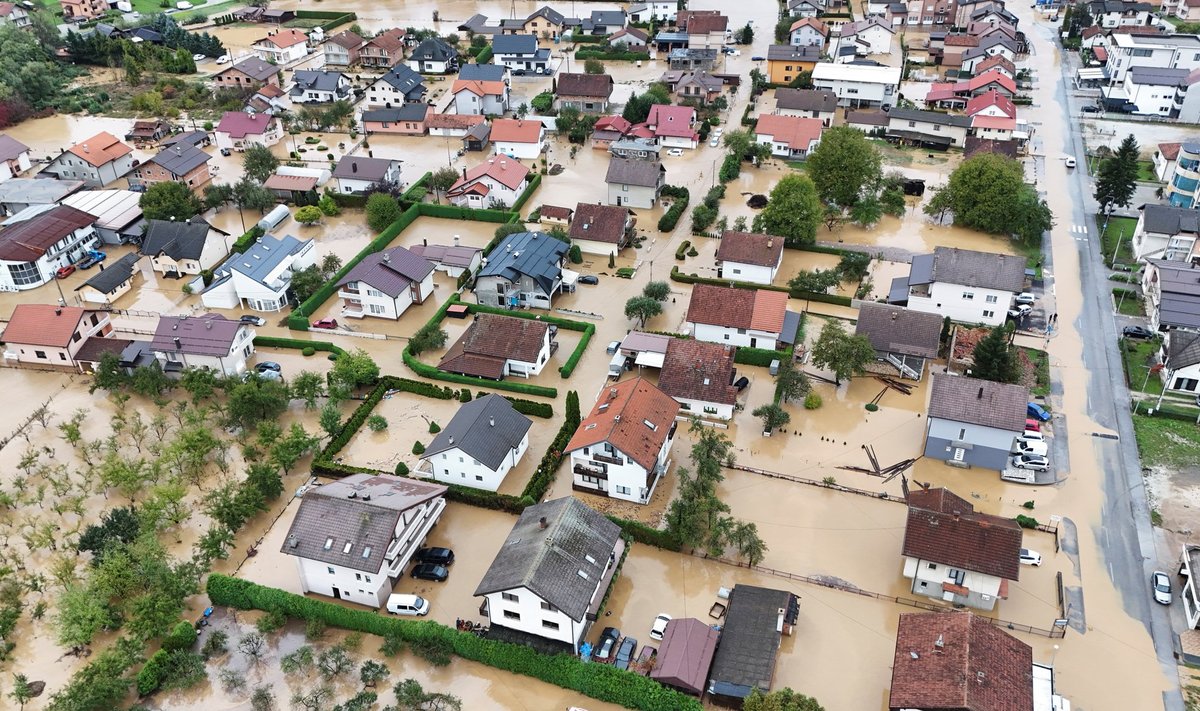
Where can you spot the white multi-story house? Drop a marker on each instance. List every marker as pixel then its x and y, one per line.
pixel 914 126
pixel 808 32
pixel 1110 14
pixel 1171 298
pixel 748 256
pixel 524 270
pixel 239 130
pixel 358 174
pixel 189 247
pixel 112 282
pixel 858 85
pixel 1183 187
pixel 863 38
pixel 210 341
pixel 700 377
pixel 672 126
pixel 518 138
pixel 495 346
pixel 788 136
pixel 342 49
pixel 956 554
pixel 385 284
pixel 259 278
pixel 520 53
pixel 40 239
pixel 318 87
pixel 1165 232
pixel 352 538
pixel 401 85
pixel 1125 51
pixel 1148 90
pixel 737 317
pixel 480 97
pixel 974 423
pixel 634 182
pixel 97 161
pixel 44 334
pixel 497 181
pixel 484 440
pixel 433 56
pixel 661 10
pixel 622 449
pixel 964 285
pixel 14 157
pixel 806 103
pixel 281 47
pixel 552 572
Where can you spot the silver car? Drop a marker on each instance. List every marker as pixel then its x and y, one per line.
pixel 1035 462
pixel 1161 585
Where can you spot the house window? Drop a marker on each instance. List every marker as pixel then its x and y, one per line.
pixel 510 615
pixel 959 454
pixel 962 434
pixel 968 295
pixel 40 354
pixel 989 314
pixel 358 576
pixel 1188 384
pixel 548 607
pixel 478 477
pixel 330 571
pixel 595 481
pixel 509 597
pixel 549 625
pixel 75 337
pixel 623 490
pixel 933 566
pixel 958 576
pixel 991 299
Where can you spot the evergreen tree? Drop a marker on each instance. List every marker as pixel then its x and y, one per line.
pixel 1117 176
pixel 995 359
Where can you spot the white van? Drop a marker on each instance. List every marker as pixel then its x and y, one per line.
pixel 400 604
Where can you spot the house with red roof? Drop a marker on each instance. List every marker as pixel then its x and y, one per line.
pixel 1166 158
pixel 954 95
pixel 673 126
pixel 97 161
pixel 237 130
pixel 997 62
pixel 48 335
pixel 281 46
pixel 808 32
pixel 609 129
pixel 518 138
pixel 788 136
pixel 384 50
pixel 991 103
pixel 700 377
pixel 480 97
pixel 499 180
pixel 737 317
pixel 41 239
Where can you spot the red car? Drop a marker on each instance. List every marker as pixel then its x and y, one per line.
pixel 64 272
pixel 329 323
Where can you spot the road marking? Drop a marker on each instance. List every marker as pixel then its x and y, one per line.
pixel 1079 229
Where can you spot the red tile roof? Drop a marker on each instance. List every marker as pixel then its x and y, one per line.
pixel 695 370
pixel 945 528
pixel 1100 53
pixel 810 22
pixel 1169 151
pixel 672 121
pixel 703 24
pixel 988 99
pixel 478 87
pixel 43 325
pixel 996 60
pixel 239 124
pixel 389 41
pixel 516 131
pixel 999 123
pixel 297 183
pixel 961 41
pixel 100 149
pixel 959 661
pixel 506 171
pixel 793 131
pixel 633 416
pixel 599 223
pixel 986 78
pixel 750 248
pixel 758 309
pixel 492 339
pixel 612 123
pixel 555 212
pixel 284 38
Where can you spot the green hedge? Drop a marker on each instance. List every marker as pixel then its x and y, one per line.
pixel 569 367
pixel 681 253
pixel 241 244
pixel 599 681
pixel 587 329
pixel 454 212
pixel 670 218
pixel 818 248
pixel 543 476
pixel 528 407
pixel 277 342
pixel 583 54
pixel 429 371
pixel 348 199
pixel 745 355
pixel 334 18
pixel 417 190
pixel 485 56
pixel 642 533
pixel 527 193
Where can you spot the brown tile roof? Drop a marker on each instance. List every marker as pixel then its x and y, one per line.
pixel 703 24
pixel 599 223
pixel 100 149
pixel 996 60
pixel 43 325
pixel 961 41
pixel 1169 151
pixel 810 22
pixel 463 121
pixel 945 528
pixel 750 248
pixel 758 309
pixel 593 85
pixel 347 39
pixel 959 661
pixel 28 240
pixel 95 347
pixel 695 370
pixel 492 339
pixel 796 132
pixel 870 118
pixel 555 212
pixel 478 87
pixel 976 145
pixel 284 38
pixel 893 329
pixel 620 418
pixel 299 183
pixel 389 41
pixel 516 131
pixel 979 402
pixel 506 171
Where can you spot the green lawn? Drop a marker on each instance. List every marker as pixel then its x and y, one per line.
pixel 1130 305
pixel 150 7
pixel 1118 228
pixel 1136 356
pixel 1041 363
pixel 1167 442
pixel 797 165
pixel 1146 171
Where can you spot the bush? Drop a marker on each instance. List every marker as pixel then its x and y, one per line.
pixel 871 407
pixel 531 408
pixel 464 395
pixel 308 351
pixel 812 401
pixel 641 533
pixel 418 448
pixel 761 357
pixel 670 218
pixel 682 251
pixel 1026 521
pixel 401 469
pixel 152 675
pixel 569 367
pixel 181 636
pixel 626 272
pixel 377 423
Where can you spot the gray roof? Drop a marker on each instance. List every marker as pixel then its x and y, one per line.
pixel 391 271
pixel 450 255
pixel 407 112
pixel 626 171
pixel 1163 219
pixel 985 270
pixel 255 68
pixel 892 329
pixel 1157 76
pixel 487 429
pixel 315 80
pixel 10 147
pixel 180 160
pixel 978 402
pixel 114 275
pixel 533 254
pixel 403 79
pixel 482 72
pixel 37 191
pixel 796 54
pixel 549 561
pixel 433 50
pixel 549 13
pixel 187 138
pixel 177 240
pixel 362 510
pixel 514 44
pixel 209 335
pixel 264 256
pixel 1183 348
pixel 362 168
pixel 749 642
pixel 937 117
pixel 806 99
pixel 1179 284
pixel 1104 6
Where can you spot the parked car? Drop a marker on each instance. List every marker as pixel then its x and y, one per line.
pixel 1032 425
pixel 430 571
pixel 199 57
pixel 223 59
pixel 251 320
pixel 1025 297
pixel 1029 557
pixel 226 152
pixel 675 152
pixel 326 323
pixel 1031 436
pixel 715 141
pixel 757 58
pixel 440 556
pixel 607 644
pixel 1091 109
pixel 625 653
pixel 1033 462
pixel 64 272
pixel 1028 447
pixel 1070 162
pixel 269 365
pixel 1161 585
pixel 612 348
pixel 401 604
pixel 589 279
pixel 741 383
pixel 1137 332
pixel 659 628
pixel 1037 412
pixel 92 259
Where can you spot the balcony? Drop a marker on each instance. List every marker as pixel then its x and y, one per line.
pixel 606 458
pixel 591 469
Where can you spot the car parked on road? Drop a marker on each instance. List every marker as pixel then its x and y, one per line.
pixel 625 653
pixel 607 644
pixel 659 628
pixel 326 323
pixel 251 320
pixel 1161 585
pixel 64 272
pixel 1033 462
pixel 439 556
pixel 430 571
pixel 1037 412
pixel 1091 109
pixel 1137 332
pixel 1019 311
pixel 1029 557
pixel 1070 162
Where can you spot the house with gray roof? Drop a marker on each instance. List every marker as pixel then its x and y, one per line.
pixel 485 439
pixel 634 183
pixel 433 56
pixel 179 163
pixel 353 538
pixel 357 174
pixel 973 422
pixel 482 72
pixel 755 622
pixel 1166 233
pixel 453 259
pixel 903 339
pixel 520 53
pixel 401 85
pixel 210 341
pixel 807 103
pixel 188 247
pixel 311 86
pixel 928 129
pixel 1172 292
pixel 964 285
pixel 16 194
pixel 547 581
pixel 260 278
pixel 1180 356
pixel 524 270
pixel 385 284
pixel 111 282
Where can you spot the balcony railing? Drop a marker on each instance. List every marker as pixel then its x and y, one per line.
pixel 606 458
pixel 600 472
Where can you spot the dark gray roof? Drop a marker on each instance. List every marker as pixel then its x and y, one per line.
pixel 549 13
pixel 256 68
pixel 407 112
pixel 487 429
pixel 37 191
pixel 937 117
pixel 806 99
pixel 208 335
pixel 404 79
pixel 114 275
pixel 1163 219
pixel 391 271
pixel 985 270
pixel 978 402
pixel 1157 76
pixel 315 80
pixel 549 561
pixel 177 240
pixel 796 54
pixel 534 254
pixel 482 72
pixel 514 44
pixel 187 138
pixel 367 521
pixel 626 171
pixel 180 159
pixel 749 642
pixel 1105 6
pixel 264 256
pixel 434 50
pixel 1179 283
pixel 362 168
pixel 892 329
pixel 1183 348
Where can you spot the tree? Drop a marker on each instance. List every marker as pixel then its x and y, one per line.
pixel 803 80
pixel 773 416
pixel 382 210
pixel 372 672
pixel 21 692
pixel 117 527
pixel 81 616
pixel 412 697
pixel 295 445
pixel 259 162
pixel 308 215
pixel 255 400
pixel 988 193
pixel 637 109
pixel 330 419
pixel 845 167
pixel 818 281
pixel 353 369
pixel 308 386
pixel 793 212
pixel 642 308
pixel 266 479
pixel 328 205
pixel 200 383
pixel 791 383
pixel 169 201
pixel 780 700
pixel 429 337
pixel 745 35
pixel 994 359
pixel 217 195
pixel 1116 177
pixel 657 290
pixel 593 66
pixel 442 180
pixel 840 352
pixel 249 195
pixel 867 211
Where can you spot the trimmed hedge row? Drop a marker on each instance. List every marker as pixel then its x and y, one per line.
pixel 642 533
pixel 587 329
pixel 429 371
pixel 485 56
pixel 527 193
pixel 543 410
pixel 454 212
pixel 681 253
pixel 612 56
pixel 599 681
pixel 277 342
pixel 819 248
pixel 670 218
pixel 334 18
pixel 417 190
pixel 348 199
pixel 679 276
pixel 543 476
pixel 241 244
pixel 745 355
pixel 569 367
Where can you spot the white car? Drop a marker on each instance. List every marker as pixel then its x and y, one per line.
pixel 660 626
pixel 1034 462
pixel 199 57
pixel 675 152
pixel 1161 585
pixel 716 141
pixel 1029 557
pixel 1025 297
pixel 1031 436
pixel 1029 447
pixel 223 59
pixel 1070 162
pixel 718 131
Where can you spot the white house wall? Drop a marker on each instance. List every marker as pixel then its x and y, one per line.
pixel 987 306
pixel 457 467
pixel 371 589
pixel 734 336
pixel 523 611
pixel 754 273
pixel 527 151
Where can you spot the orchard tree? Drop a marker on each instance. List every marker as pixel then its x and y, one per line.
pixel 217 195
pixel 169 201
pixel 657 290
pixel 642 309
pixel 259 162
pixel 256 400
pixel 844 354
pixel 773 416
pixel 791 382
pixel 308 386
pixel 382 210
pixel 845 167
pixel 793 212
pixel 593 66
pixel 429 337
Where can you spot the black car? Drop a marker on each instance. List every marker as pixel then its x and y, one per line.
pixel 1090 109
pixel 625 653
pixel 607 644
pixel 589 279
pixel 430 571
pixel 252 320
pixel 1137 332
pixel 437 556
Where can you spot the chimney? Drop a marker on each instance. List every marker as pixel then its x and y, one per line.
pixel 464 173
pixel 956 515
pixel 58 311
pixel 542 525
pixel 940 643
pixel 178 343
pixel 492 421
pixel 455 240
pixel 451 439
pixel 770 242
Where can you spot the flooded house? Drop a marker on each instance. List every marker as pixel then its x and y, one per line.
pixel 737 317
pixel 524 271
pixel 210 341
pixel 927 129
pixel 663 11
pixel 484 440
pixel 601 229
pixel 453 259
pixel 672 126
pixel 622 449
pixel 902 338
pixel 401 85
pixel 520 53
pixel 1166 233
pixel 858 85
pixel 260 277
pixel 433 56
pixel 406 120
pixel 248 72
pixel 175 164
pixel 188 247
pixel 383 51
pixel 786 62
pixel 706 31
pixel 97 161
pixel 39 240
pixel 342 49
pixel 281 47
pixel 806 103
pixel 519 138
pixel 110 282
pixel 608 130
pixel 685 655
pixel 118 213
pixel 353 538
pixel 700 377
pixel 748 256
pixel 495 182
pixel 546 584
pixel 455 125
pixel 755 623
pixel 495 346
pixel 634 182
pixel 49 335
pixel 238 130
pixel 589 93
pixel 956 554
pixel 359 174
pixel 14 157
pixel 385 284
pixel 808 32
pixel 479 97
pixel 962 284
pixel 632 37
pixel 972 422
pixel 311 86
pixel 17 194
pixel 788 136
pixel 151 131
